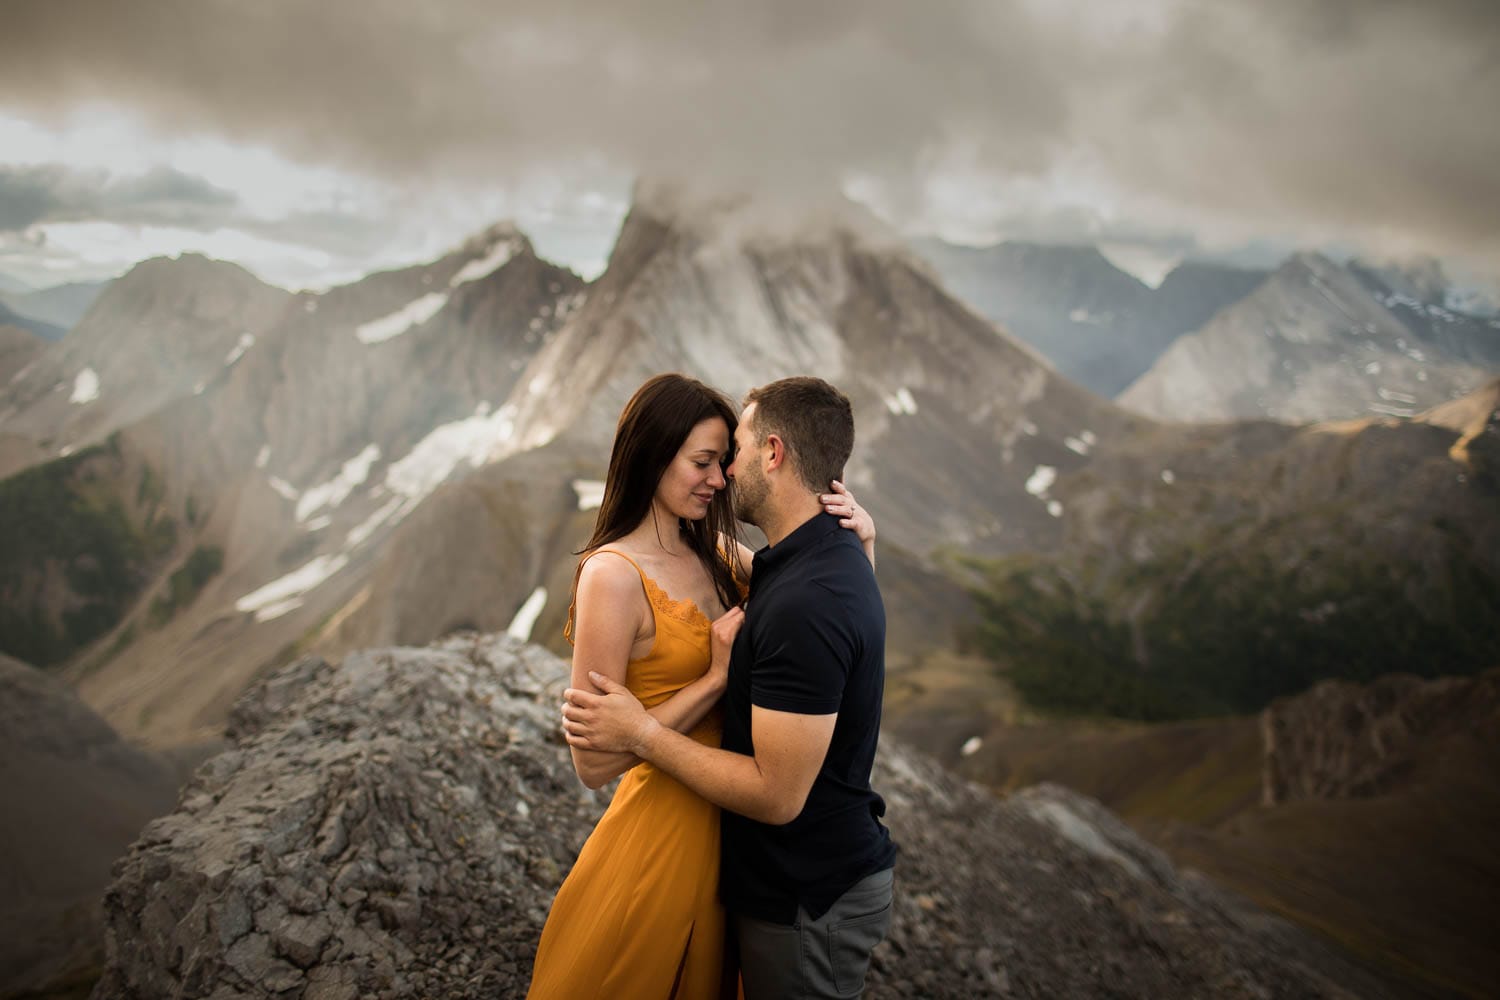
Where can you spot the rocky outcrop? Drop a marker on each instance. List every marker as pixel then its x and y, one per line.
pixel 396 825
pixel 1342 740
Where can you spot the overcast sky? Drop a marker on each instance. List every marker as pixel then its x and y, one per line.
pixel 313 141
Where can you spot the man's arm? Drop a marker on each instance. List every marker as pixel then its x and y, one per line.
pixel 770 787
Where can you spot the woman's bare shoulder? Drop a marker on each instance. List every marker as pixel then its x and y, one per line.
pixel 610 571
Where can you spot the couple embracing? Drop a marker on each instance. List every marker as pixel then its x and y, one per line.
pixel 739 694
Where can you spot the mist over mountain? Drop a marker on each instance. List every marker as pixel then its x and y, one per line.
pixel 1096 324
pixel 1322 341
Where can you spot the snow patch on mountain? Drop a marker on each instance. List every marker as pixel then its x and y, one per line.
pixel 1041 480
pixel 85 387
pixel 362 531
pixel 413 314
pixel 266 600
pixel 590 493
pixel 332 493
pixel 246 341
pixel 497 257
pixel 473 440
pixel 901 402
pixel 521 625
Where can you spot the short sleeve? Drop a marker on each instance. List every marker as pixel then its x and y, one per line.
pixel 803 656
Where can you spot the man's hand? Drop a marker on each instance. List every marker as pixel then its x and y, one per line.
pixel 612 721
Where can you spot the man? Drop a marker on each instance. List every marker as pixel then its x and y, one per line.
pixel 807 866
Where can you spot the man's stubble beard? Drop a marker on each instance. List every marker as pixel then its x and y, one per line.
pixel 750 494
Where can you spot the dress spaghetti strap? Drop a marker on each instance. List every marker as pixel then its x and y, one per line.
pixel 573 600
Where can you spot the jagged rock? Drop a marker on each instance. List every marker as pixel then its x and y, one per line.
pixel 1343 740
pixel 396 825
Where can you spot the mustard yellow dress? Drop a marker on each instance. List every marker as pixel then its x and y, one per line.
pixel 639 915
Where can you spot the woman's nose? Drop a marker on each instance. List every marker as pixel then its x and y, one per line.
pixel 716 477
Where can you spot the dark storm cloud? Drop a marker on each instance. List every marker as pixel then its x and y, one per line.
pixel 55 193
pixel 1332 116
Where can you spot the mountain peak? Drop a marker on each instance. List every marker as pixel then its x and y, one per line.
pixel 761 220
pixel 177 270
pixel 1308 261
pixel 1419 278
pixel 503 231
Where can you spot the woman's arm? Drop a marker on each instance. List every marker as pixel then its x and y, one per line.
pixel 611 610
pixel 853 516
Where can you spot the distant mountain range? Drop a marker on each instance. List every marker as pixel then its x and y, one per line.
pixel 36 327
pixel 279 483
pixel 1323 341
pixel 60 307
pixel 219 473
pixel 1092 321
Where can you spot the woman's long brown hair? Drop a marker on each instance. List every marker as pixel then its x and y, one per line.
pixel 652 428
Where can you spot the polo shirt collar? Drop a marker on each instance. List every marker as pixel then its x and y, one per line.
pixel 800 540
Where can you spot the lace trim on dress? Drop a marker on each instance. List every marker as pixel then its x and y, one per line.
pixel 685 611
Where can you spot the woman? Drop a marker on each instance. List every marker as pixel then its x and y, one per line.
pixel 639 914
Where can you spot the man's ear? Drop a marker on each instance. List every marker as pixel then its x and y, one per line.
pixel 777 454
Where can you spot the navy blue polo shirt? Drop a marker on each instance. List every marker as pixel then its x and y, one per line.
pixel 813 642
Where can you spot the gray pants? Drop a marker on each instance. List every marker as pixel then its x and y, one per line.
pixel 827 957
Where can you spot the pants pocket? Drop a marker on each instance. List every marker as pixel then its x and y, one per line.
pixel 850 942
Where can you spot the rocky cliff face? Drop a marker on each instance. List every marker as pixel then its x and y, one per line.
pixel 1319 341
pixel 160 333
pixel 1342 740
pixel 1281 555
pixel 396 825
pixel 302 444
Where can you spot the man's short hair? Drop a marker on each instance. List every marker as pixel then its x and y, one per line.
pixel 815 422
